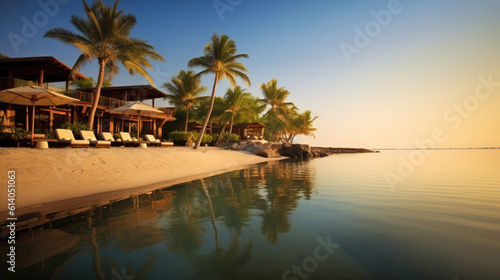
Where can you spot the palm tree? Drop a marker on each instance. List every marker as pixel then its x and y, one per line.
pixel 280 112
pixel 219 58
pixel 104 35
pixel 184 90
pixel 302 124
pixel 238 103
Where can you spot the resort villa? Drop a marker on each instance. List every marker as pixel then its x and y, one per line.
pixel 41 71
pixel 252 131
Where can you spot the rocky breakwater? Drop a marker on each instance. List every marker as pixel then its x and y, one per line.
pixel 298 151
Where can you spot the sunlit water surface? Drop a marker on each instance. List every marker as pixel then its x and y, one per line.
pixel 389 215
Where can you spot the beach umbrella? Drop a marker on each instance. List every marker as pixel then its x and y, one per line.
pixel 34 95
pixel 138 109
pixel 3 119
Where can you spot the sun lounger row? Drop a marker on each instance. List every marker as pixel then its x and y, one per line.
pixel 66 137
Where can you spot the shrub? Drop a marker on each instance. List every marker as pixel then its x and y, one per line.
pixel 50 134
pixel 234 137
pixel 181 137
pixel 207 138
pixel 215 137
pixel 8 139
pixel 17 133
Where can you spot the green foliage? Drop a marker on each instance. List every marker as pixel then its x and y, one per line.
pixel 75 128
pixel 177 125
pixel 234 137
pixel 104 35
pixel 17 133
pixel 89 83
pixel 180 137
pixel 280 112
pixel 207 138
pixel 184 91
pixel 218 110
pixel 50 134
pixel 240 104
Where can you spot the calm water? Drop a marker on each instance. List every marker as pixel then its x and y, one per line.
pixel 329 218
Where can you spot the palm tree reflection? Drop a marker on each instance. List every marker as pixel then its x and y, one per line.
pixel 183 220
pixel 229 202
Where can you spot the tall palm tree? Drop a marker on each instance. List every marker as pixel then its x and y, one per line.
pixel 219 58
pixel 280 112
pixel 238 103
pixel 104 35
pixel 302 124
pixel 184 90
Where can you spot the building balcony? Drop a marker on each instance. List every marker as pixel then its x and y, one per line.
pixel 84 97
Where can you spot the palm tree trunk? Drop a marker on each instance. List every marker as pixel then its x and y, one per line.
pixel 97 94
pixel 187 120
pixel 207 117
pixel 230 129
pixel 95 246
pixel 212 212
pixel 221 134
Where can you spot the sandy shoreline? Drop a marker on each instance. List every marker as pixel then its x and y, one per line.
pixel 47 176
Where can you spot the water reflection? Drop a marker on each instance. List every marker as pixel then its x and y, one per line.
pixel 257 223
pixel 199 225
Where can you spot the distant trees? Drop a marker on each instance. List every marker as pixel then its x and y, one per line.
pixel 301 124
pixel 239 103
pixel 282 118
pixel 89 83
pixel 280 112
pixel 184 91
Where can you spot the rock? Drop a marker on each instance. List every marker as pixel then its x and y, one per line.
pixel 242 146
pixel 287 153
pixel 233 146
pixel 300 151
pixel 268 153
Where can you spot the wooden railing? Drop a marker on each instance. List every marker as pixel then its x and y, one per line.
pixel 6 82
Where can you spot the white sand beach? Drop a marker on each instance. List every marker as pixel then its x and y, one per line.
pixel 51 175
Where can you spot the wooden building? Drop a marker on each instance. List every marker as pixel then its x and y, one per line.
pixel 114 97
pixel 252 131
pixel 42 71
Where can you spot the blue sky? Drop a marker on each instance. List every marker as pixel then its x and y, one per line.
pixel 393 91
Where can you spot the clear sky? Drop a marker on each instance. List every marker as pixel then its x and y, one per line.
pixel 377 73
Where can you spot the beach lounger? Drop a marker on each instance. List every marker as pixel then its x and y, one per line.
pixel 156 142
pixel 89 135
pixel 107 136
pixel 127 140
pixel 66 137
